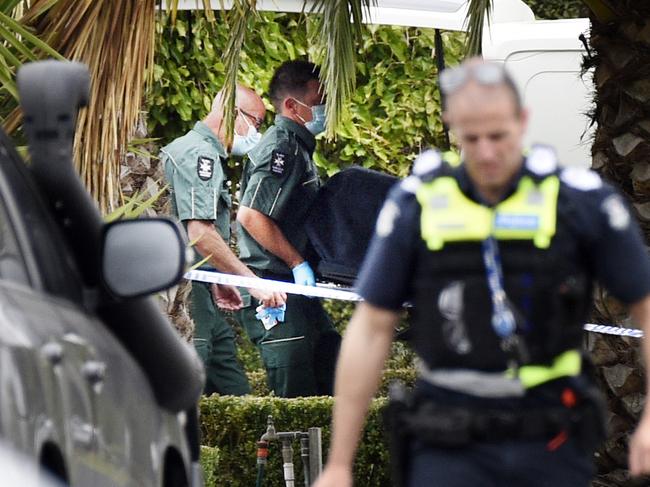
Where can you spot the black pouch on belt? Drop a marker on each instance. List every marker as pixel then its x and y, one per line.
pixel 395 414
pixel 590 427
pixel 409 417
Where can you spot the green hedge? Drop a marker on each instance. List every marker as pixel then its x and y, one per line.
pixel 210 463
pixel 257 378
pixel 232 425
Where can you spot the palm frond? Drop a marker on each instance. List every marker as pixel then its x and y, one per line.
pixel 205 260
pixel 135 206
pixel 238 18
pixel 207 9
pixel 601 10
pixel 18 45
pixel 339 28
pixel 138 147
pixel 116 41
pixel 477 12
pixel 172 9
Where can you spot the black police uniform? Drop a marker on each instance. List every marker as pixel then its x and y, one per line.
pixel 477 434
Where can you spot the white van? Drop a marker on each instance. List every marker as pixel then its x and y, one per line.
pixel 544 57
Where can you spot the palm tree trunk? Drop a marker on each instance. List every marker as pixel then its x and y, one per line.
pixel 620 54
pixel 142 178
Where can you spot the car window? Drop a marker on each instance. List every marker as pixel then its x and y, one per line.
pixel 12 265
pixel 56 269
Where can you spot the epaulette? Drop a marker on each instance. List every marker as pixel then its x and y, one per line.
pixel 427 166
pixel 581 178
pixel 541 161
pixel 426 163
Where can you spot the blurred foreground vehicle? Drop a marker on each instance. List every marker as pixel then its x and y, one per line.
pixel 24 472
pixel 95 385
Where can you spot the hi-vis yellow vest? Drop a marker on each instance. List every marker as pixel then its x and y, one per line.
pixel 448 215
pixel 530 213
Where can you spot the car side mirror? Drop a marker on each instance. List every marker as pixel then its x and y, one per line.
pixel 141 257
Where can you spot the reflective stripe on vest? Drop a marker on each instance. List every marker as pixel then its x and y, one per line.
pixel 450 216
pixel 452 158
pixel 567 364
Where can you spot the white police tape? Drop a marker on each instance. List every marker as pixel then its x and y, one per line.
pixel 329 292
pixel 614 330
pixel 273 286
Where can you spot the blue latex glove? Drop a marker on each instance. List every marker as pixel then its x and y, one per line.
pixel 302 274
pixel 270 316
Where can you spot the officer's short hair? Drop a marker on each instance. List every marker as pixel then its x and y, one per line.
pixel 485 73
pixel 291 79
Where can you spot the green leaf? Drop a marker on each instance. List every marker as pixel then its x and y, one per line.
pixel 28 36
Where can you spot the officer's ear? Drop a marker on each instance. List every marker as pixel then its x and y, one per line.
pixel 524 116
pixel 288 106
pixel 445 117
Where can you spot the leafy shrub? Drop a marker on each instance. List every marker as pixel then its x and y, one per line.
pixel 234 424
pixel 558 9
pixel 394 112
pixel 257 381
pixel 339 312
pixel 406 374
pixel 210 464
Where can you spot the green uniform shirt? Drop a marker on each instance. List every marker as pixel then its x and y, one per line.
pixel 193 168
pixel 280 180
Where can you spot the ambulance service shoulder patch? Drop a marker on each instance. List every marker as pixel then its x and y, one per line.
pixel 279 162
pixel 205 168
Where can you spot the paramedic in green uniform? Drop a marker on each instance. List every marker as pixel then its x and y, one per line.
pixel 279 183
pixel 200 199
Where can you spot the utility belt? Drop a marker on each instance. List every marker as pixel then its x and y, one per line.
pixel 577 412
pixel 512 382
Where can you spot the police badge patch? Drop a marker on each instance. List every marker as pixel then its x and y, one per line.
pixel 205 168
pixel 617 214
pixel 278 162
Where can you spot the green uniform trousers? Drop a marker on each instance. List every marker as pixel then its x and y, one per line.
pixel 214 340
pixel 299 354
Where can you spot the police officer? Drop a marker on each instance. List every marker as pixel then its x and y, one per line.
pixel 279 183
pixel 498 256
pixel 201 200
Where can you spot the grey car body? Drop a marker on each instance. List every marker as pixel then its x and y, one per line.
pixel 95 385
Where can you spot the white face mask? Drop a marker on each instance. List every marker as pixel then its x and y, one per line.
pixel 318 120
pixel 242 144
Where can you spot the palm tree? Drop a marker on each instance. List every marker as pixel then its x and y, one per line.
pixel 620 56
pixel 116 41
